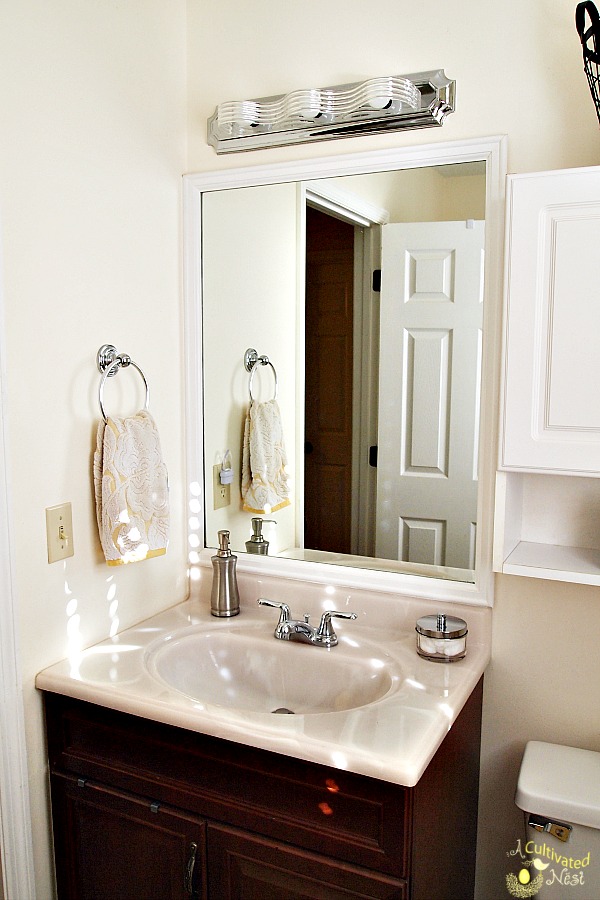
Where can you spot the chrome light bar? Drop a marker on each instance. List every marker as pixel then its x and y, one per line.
pixel 388 103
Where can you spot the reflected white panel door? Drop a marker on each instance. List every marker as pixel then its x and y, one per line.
pixel 430 361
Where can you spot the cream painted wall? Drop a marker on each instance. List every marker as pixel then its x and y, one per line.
pixel 92 117
pixel 519 72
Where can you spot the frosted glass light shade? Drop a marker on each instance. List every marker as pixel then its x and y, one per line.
pixel 386 103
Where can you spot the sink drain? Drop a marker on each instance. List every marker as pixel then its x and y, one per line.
pixel 283 711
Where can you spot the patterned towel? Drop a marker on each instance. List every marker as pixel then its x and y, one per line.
pixel 265 485
pixel 132 491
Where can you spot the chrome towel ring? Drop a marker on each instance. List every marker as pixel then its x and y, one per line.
pixel 109 362
pixel 251 362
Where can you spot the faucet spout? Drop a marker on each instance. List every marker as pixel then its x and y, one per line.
pixel 301 632
pixel 288 629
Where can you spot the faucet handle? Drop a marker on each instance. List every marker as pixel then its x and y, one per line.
pixel 285 612
pixel 325 629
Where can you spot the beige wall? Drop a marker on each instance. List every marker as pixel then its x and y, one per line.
pixel 519 72
pixel 92 118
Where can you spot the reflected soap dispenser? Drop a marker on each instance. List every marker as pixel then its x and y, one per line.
pixel 224 598
pixel 257 543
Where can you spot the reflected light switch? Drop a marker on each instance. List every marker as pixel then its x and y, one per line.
pixel 59 532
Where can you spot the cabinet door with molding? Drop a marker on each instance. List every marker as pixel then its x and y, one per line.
pixel 551 410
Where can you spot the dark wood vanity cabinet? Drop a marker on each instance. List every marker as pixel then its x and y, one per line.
pixel 143 810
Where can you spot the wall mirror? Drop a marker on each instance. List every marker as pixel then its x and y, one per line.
pixel 370 281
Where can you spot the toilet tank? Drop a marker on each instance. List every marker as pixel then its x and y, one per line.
pixel 559 792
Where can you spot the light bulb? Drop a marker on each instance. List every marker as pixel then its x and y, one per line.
pixel 379 102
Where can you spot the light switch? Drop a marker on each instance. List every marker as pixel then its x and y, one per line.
pixel 59 532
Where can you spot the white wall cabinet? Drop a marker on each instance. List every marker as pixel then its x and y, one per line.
pixel 547 521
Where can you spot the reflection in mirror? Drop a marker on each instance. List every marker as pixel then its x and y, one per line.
pixel 366 294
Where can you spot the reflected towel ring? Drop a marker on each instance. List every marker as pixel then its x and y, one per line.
pixel 251 361
pixel 109 362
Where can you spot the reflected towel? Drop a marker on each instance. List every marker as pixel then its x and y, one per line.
pixel 132 491
pixel 265 486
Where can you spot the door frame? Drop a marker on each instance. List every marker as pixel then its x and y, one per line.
pixel 16 847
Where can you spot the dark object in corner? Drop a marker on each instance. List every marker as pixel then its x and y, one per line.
pixel 589 34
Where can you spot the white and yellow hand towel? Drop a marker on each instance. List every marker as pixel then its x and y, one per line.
pixel 132 491
pixel 265 480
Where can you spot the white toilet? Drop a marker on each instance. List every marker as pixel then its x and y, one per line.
pixel 559 792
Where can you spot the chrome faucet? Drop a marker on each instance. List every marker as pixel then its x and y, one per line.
pixel 288 629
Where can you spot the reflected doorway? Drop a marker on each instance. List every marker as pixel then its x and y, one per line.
pixel 329 324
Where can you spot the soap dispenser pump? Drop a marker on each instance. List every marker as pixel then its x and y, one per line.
pixel 224 598
pixel 257 543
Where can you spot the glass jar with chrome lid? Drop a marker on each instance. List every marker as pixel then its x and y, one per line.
pixel 441 638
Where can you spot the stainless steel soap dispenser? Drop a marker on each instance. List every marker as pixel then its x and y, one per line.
pixel 224 598
pixel 257 543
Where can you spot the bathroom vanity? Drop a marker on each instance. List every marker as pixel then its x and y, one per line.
pixel 149 810
pixel 159 792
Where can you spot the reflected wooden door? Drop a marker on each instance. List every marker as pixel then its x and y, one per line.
pixel 328 383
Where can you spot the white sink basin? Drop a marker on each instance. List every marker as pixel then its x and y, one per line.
pixel 184 667
pixel 251 670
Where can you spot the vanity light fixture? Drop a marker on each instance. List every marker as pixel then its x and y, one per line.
pixel 389 103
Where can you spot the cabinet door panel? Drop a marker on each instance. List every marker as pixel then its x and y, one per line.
pixel 241 867
pixel 113 846
pixel 552 356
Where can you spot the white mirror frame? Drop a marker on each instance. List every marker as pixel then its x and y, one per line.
pixel 491 150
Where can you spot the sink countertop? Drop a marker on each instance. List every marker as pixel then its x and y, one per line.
pixel 392 738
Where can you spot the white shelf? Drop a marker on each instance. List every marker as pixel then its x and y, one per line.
pixel 575 564
pixel 548 526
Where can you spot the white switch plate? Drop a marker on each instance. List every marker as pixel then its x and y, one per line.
pixel 59 532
